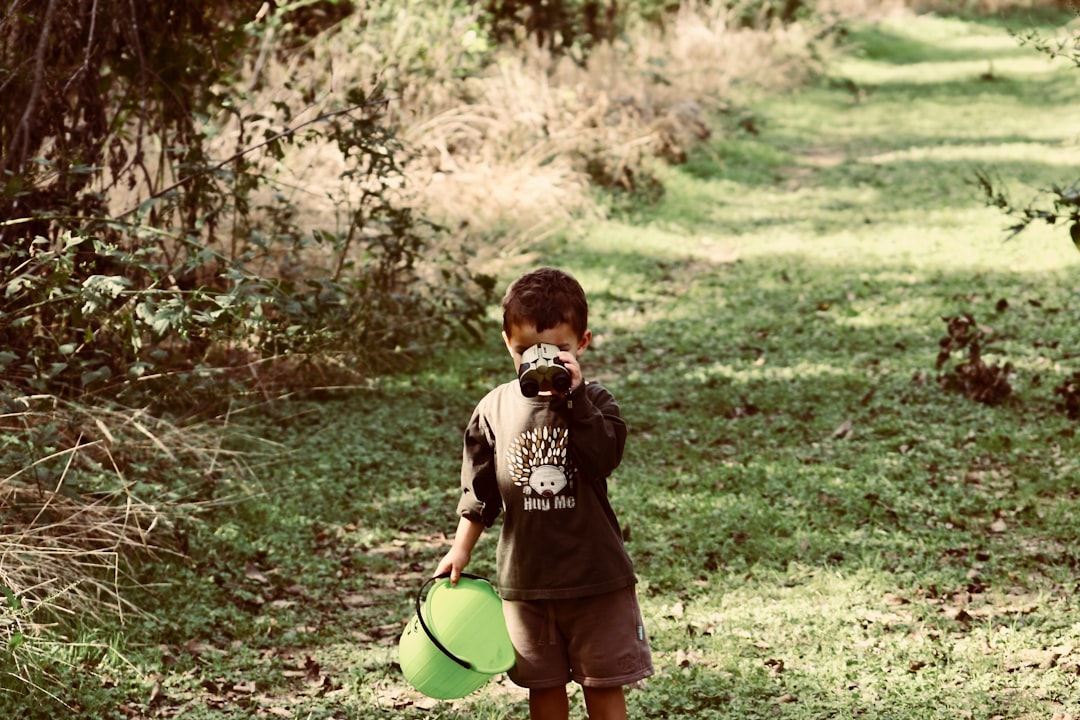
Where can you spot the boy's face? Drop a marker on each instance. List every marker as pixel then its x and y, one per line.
pixel 523 336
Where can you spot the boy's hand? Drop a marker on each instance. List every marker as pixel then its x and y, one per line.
pixel 574 368
pixel 454 562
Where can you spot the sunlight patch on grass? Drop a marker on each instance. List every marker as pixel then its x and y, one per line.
pixel 909 36
pixel 1065 155
pixel 949 32
pixel 833 639
pixel 631 239
pixel 910 312
pixel 1030 66
pixel 916 239
pixel 759 370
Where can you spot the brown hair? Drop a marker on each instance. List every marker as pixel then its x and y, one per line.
pixel 545 298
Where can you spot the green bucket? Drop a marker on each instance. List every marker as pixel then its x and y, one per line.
pixel 457 640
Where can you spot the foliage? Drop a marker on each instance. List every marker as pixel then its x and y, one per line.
pixel 1065 46
pixel 561 26
pixel 95 81
pixel 576 27
pixel 818 531
pixel 1064 205
pixel 205 269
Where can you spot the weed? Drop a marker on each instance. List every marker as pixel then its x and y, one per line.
pixel 1069 390
pixel 973 378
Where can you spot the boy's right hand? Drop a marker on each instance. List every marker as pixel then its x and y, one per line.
pixel 454 562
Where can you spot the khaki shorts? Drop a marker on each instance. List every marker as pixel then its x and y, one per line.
pixel 596 641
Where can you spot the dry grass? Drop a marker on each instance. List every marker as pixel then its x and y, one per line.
pixel 84 492
pixel 517 162
pixel 505 145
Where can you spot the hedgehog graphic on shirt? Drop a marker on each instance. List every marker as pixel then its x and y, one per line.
pixel 541 467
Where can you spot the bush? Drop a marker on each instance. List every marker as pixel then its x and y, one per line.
pixel 209 265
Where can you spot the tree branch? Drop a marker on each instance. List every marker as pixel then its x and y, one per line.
pixel 20 139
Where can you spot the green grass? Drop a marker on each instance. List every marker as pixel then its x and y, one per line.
pixel 820 530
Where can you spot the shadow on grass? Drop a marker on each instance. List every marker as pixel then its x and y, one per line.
pixel 784 410
pixel 882 44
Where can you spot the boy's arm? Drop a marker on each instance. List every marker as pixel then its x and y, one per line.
pixel 480 500
pixel 468 532
pixel 597 431
pixel 480 503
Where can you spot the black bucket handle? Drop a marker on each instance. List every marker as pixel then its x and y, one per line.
pixel 427 631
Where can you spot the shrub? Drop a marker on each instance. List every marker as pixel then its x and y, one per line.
pixel 562 27
pixel 209 265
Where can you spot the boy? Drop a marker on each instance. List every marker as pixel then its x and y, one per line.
pixel 566 579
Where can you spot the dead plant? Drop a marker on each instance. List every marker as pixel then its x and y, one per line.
pixel 973 378
pixel 1069 391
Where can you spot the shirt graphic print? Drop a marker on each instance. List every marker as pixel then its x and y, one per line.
pixel 541 468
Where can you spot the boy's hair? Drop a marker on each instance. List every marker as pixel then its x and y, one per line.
pixel 545 298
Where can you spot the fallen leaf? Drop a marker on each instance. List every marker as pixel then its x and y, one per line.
pixel 843 431
pixel 253 573
pixel 1032 658
pixel 958 614
pixel 999 526
pixel 282 604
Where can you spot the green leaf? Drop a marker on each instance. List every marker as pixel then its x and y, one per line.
pixel 13 600
pixel 15 641
pixel 93 376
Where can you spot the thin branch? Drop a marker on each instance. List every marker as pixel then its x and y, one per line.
pixel 85 67
pixel 21 136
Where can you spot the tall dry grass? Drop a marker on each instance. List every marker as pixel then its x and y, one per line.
pixel 87 493
pixel 514 160
pixel 504 145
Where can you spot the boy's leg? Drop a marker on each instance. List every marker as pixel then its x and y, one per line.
pixel 605 703
pixel 549 704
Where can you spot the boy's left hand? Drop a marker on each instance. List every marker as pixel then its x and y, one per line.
pixel 574 368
